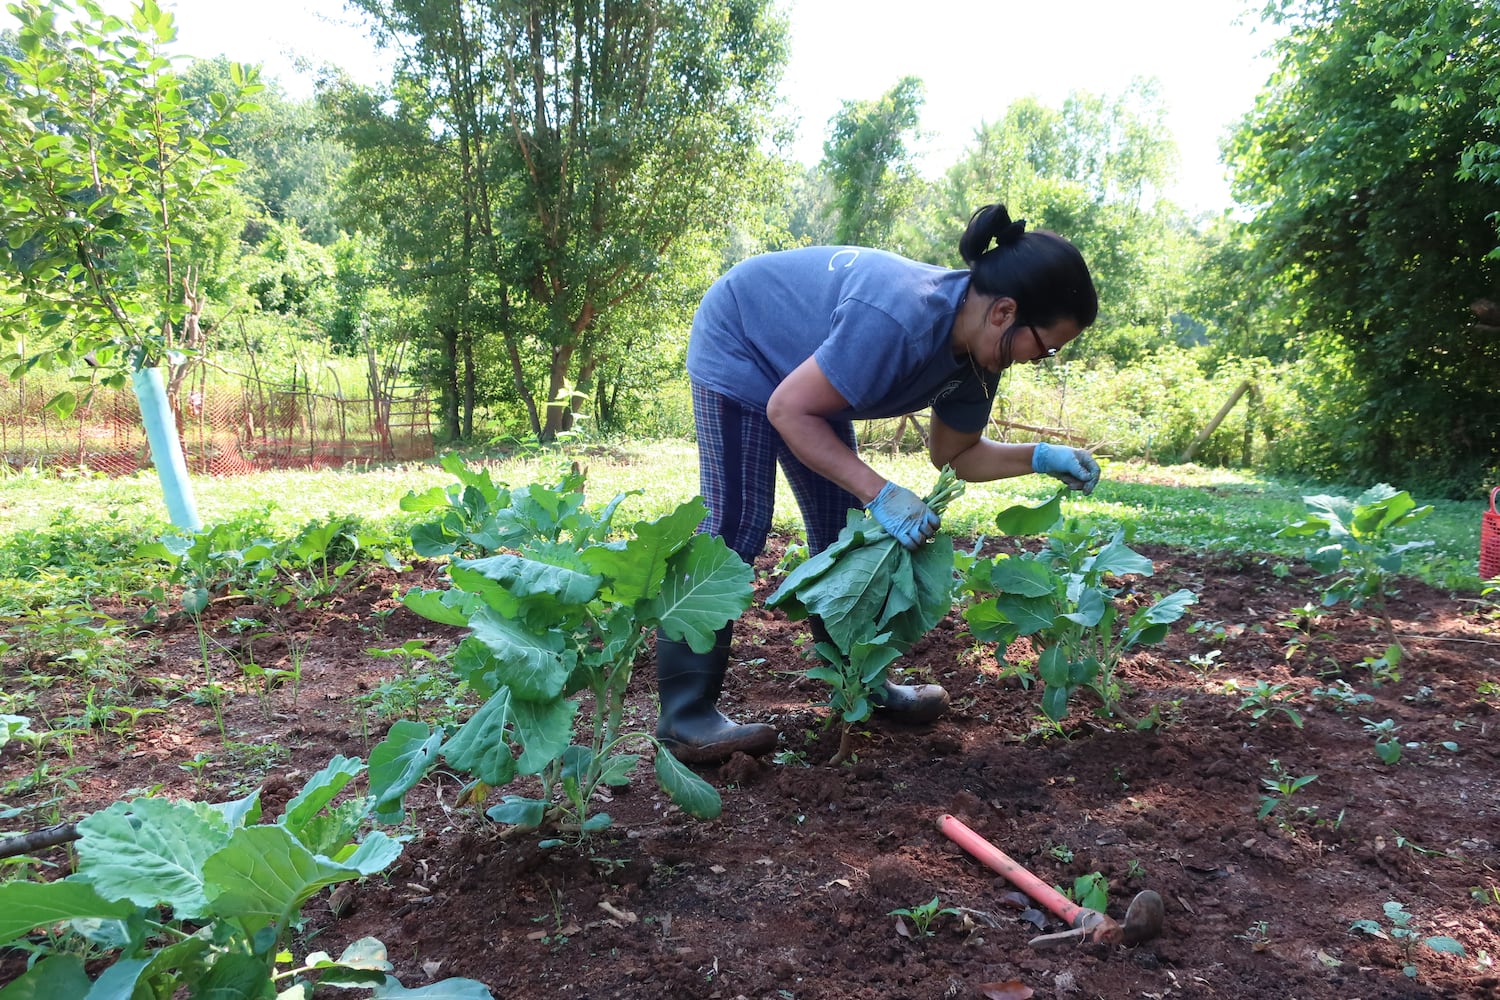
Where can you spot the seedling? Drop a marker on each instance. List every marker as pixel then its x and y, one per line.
pixel 1279 788
pixel 922 917
pixel 1090 891
pixel 1384 668
pixel 1258 934
pixel 1400 929
pixel 1343 695
pixel 1387 746
pixel 1266 698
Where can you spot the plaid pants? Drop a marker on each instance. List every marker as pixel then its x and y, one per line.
pixel 737 454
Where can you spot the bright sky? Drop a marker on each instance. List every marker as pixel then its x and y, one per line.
pixel 974 56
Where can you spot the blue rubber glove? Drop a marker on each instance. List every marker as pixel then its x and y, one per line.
pixel 901 512
pixel 1074 466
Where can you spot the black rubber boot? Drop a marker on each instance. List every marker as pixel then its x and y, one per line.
pixel 911 704
pixel 690 724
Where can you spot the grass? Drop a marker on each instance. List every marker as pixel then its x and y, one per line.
pixel 1184 505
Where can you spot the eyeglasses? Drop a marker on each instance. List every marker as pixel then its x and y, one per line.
pixel 1043 352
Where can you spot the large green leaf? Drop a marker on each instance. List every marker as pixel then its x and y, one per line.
pixel 1023 520
pixel 531 584
pixel 151 852
pixel 534 665
pixel 849 599
pixel 689 792
pixel 448 989
pixel 481 745
pixel 705 586
pixel 1117 558
pixel 53 978
pixel 398 762
pixel 264 874
pixel 544 730
pixel 446 607
pixel 236 976
pixel 635 568
pixel 319 790
pixel 27 905
pixel 1029 614
pixel 1022 577
pixel 857 528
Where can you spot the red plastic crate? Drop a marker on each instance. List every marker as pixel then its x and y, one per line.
pixel 1489 541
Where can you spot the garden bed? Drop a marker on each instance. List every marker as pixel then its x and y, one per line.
pixel 789 893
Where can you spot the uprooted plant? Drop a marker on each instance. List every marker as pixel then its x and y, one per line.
pixel 875 599
pixel 555 607
pixel 1072 598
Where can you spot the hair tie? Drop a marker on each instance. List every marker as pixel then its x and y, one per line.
pixel 1011 234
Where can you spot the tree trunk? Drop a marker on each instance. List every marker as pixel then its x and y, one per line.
pixel 448 380
pixel 559 404
pixel 469 392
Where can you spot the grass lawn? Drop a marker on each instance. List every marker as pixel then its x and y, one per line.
pixel 1183 505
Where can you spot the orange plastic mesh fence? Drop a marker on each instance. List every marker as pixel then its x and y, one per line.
pixel 225 431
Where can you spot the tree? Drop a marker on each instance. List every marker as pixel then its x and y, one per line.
pixel 869 163
pixel 1370 168
pixel 594 135
pixel 106 167
pixel 1093 170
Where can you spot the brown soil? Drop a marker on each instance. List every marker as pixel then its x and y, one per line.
pixel 788 894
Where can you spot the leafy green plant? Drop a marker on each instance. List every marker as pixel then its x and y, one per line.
pixel 565 609
pixel 201 899
pixel 1279 787
pixel 1357 545
pixel 1070 596
pixel 1400 929
pixel 875 598
pixel 1343 695
pixel 1090 891
pixel 1265 698
pixel 1387 745
pixel 923 916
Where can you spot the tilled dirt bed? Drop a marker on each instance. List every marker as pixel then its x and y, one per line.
pixel 789 893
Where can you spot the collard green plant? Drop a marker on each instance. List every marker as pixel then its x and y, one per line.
pixel 1070 598
pixel 564 609
pixel 875 598
pixel 1357 543
pixel 199 899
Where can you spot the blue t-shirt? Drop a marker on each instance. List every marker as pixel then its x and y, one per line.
pixel 878 324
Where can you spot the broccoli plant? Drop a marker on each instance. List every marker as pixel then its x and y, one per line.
pixel 1071 598
pixel 557 606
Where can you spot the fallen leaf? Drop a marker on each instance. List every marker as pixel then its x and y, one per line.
pixel 1036 918
pixel 570 930
pixel 624 916
pixel 717 869
pixel 1329 960
pixel 1011 990
pixel 901 929
pixel 430 968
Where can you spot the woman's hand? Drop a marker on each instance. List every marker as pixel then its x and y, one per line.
pixel 904 514
pixel 1074 466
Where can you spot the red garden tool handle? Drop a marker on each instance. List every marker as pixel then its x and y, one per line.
pixel 1059 905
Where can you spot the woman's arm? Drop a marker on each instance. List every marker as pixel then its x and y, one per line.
pixel 975 457
pixel 799 409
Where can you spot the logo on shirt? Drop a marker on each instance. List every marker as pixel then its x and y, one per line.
pixel 947 390
pixel 850 252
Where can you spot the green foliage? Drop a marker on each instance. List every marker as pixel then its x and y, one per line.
pixel 869 163
pixel 1371 166
pixel 922 916
pixel 108 161
pixel 1266 698
pixel 875 597
pixel 1358 542
pixel 191 896
pixel 1400 929
pixel 1280 787
pixel 1064 595
pixel 562 608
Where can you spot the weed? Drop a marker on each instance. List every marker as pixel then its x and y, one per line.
pixel 1387 746
pixel 1343 695
pixel 1279 788
pixel 1400 929
pixel 1258 934
pixel 1265 698
pixel 922 917
pixel 1061 852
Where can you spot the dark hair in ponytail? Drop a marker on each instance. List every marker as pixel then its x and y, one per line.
pixel 1043 272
